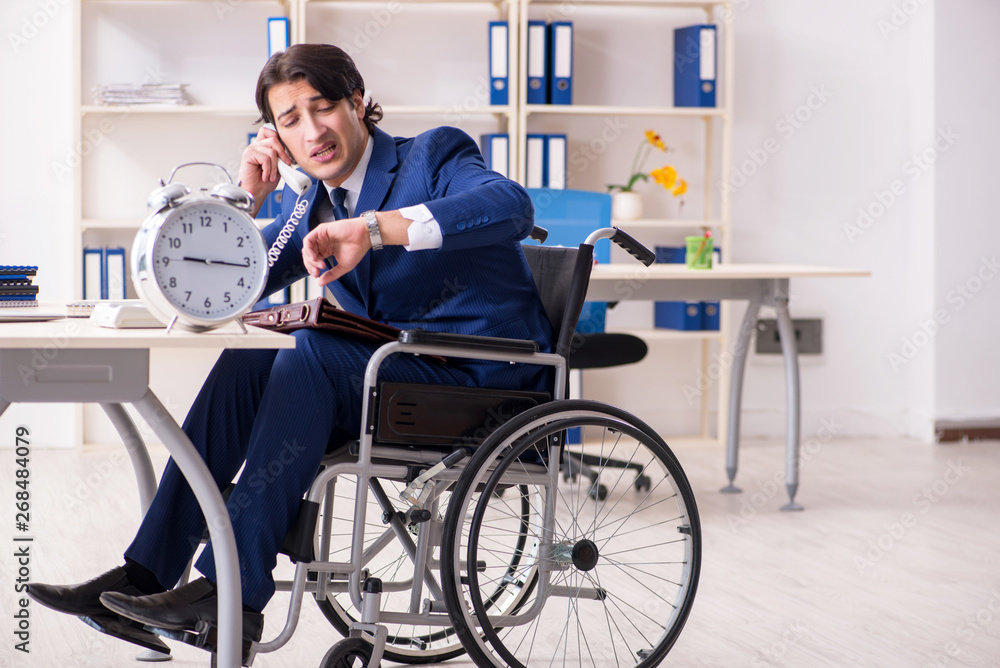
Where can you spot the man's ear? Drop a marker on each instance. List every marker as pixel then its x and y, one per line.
pixel 358 100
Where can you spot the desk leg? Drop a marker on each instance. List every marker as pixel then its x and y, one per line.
pixel 790 351
pixel 220 529
pixel 736 394
pixel 144 476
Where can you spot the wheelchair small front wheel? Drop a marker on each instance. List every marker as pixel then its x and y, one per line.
pixel 348 653
pixel 613 578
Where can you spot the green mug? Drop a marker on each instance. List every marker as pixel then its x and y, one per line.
pixel 699 252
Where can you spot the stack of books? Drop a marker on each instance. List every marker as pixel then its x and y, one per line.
pixel 15 286
pixel 117 94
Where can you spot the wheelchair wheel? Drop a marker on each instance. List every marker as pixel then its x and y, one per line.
pixel 613 579
pixel 392 564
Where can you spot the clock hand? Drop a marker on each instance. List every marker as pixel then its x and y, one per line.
pixel 207 261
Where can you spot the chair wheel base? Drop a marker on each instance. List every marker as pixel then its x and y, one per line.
pixel 731 489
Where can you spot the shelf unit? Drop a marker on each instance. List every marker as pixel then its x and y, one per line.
pixel 425 97
pixel 716 129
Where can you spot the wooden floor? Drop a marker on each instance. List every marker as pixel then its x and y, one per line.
pixel 895 561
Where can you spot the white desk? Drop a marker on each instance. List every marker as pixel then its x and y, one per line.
pixel 74 361
pixel 760 285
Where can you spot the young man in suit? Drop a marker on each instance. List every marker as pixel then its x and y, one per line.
pixel 414 232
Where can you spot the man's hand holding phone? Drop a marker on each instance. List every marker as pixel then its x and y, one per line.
pixel 259 167
pixel 265 161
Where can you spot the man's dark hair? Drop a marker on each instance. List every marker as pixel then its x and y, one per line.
pixel 327 68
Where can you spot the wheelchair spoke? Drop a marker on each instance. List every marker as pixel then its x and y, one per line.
pixel 622 567
pixel 609 620
pixel 646 547
pixel 679 518
pixel 639 509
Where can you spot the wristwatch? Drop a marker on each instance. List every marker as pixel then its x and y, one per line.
pixel 373 231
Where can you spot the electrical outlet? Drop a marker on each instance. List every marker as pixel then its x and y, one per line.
pixel 808 336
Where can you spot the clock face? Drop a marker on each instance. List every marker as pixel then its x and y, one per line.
pixel 208 260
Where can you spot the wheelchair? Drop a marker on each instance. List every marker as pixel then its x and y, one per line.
pixel 522 528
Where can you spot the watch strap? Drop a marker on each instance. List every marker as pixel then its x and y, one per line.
pixel 374 233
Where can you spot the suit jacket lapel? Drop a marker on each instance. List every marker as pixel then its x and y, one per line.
pixel 380 174
pixel 374 192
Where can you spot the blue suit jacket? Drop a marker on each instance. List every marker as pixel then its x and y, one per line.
pixel 478 282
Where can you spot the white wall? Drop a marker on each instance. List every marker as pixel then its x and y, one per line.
pixel 968 237
pixel 36 80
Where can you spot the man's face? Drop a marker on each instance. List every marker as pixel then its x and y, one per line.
pixel 325 138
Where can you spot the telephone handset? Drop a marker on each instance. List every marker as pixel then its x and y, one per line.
pixel 300 184
pixel 298 181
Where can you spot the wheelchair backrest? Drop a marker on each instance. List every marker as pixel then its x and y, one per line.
pixel 561 276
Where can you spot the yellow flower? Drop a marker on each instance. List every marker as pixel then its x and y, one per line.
pixel 666 176
pixel 655 140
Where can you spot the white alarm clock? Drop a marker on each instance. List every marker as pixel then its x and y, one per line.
pixel 199 260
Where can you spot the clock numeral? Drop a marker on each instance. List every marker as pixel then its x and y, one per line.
pixel 206 221
pixel 208 303
pixel 173 282
pixel 239 241
pixel 188 293
pixel 246 261
pixel 226 298
pixel 165 261
pixel 225 226
pixel 175 242
pixel 240 283
pixel 187 228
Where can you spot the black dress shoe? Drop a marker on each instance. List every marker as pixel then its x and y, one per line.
pixel 83 600
pixel 180 609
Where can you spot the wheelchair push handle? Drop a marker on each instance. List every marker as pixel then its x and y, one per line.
pixel 626 241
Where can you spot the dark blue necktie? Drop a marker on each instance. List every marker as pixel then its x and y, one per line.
pixel 339 203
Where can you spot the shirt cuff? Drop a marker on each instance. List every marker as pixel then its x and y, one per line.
pixel 424 232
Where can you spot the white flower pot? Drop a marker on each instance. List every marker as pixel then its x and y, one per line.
pixel 626 206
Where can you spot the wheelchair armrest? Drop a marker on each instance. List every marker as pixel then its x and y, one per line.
pixel 491 343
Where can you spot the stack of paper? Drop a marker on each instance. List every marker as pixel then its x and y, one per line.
pixel 169 94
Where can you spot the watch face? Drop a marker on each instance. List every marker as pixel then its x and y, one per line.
pixel 208 260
